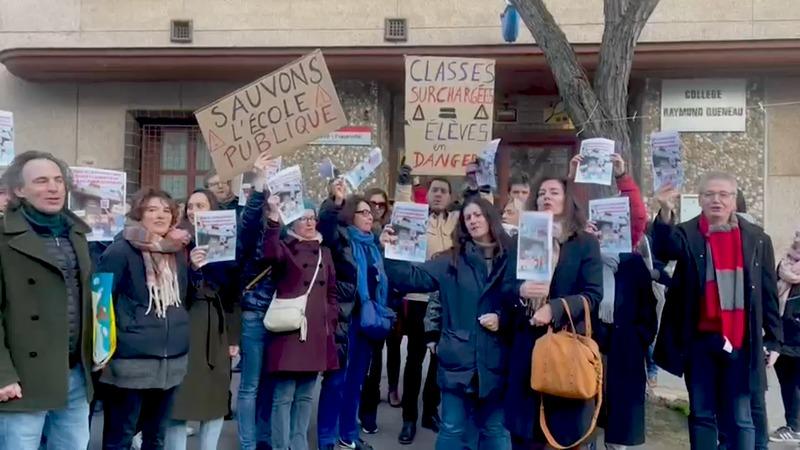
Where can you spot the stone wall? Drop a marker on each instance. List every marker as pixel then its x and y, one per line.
pixel 742 154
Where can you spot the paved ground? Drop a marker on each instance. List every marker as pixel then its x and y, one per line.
pixel 666 428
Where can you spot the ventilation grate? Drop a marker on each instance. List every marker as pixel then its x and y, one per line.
pixel 396 30
pixel 180 31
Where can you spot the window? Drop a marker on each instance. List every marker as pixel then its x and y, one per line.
pixel 175 159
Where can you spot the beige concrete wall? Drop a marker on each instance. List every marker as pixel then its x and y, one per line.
pixel 783 162
pixel 278 23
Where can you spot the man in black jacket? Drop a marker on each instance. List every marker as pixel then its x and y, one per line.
pixel 721 312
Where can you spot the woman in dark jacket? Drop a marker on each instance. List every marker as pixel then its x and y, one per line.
pixel 203 395
pixel 294 359
pixel 346 227
pixel 149 266
pixel 472 352
pixel 578 275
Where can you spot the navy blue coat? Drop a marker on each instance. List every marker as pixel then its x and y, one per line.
pixel 467 291
pixel 249 255
pixel 578 274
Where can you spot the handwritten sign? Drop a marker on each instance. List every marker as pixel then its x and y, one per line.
pixel 448 112
pixel 279 112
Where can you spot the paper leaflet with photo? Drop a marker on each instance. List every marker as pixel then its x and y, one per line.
pixel 486 167
pixel 288 186
pixel 104 331
pixel 535 246
pixel 6 138
pixel 364 169
pixel 665 147
pixel 246 183
pixel 98 197
pixel 612 217
pixel 410 224
pixel 216 231
pixel 596 167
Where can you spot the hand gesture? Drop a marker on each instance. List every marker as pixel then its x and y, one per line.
pixel 490 321
pixel 573 166
pixel 531 289
pixel 274 203
pixel 667 198
pixel 618 162
pixel 388 236
pixel 543 316
pixel 339 190
pixel 591 228
pixel 264 161
pixel 10 392
pixel 199 256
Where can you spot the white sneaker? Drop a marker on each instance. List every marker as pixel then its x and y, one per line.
pixel 784 434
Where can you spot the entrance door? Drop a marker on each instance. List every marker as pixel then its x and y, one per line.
pixel 175 159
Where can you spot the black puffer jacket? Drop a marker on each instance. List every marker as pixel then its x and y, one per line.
pixel 141 335
pixel 251 261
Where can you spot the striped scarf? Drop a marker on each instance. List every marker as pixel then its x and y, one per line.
pixel 723 306
pixel 160 267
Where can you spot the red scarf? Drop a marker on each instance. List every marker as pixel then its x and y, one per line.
pixel 723 305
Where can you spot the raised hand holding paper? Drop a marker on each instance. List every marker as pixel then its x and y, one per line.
pixel 486 167
pixel 612 217
pixel 665 147
pixel 410 225
pixel 288 185
pixel 216 230
pixel 535 246
pixel 246 184
pixel 364 169
pixel 596 167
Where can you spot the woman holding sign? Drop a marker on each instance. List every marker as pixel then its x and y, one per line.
pixel 203 395
pixel 577 277
pixel 467 331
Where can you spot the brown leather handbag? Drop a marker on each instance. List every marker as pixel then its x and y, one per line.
pixel 568 365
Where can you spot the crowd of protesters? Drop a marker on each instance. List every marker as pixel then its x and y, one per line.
pixel 728 315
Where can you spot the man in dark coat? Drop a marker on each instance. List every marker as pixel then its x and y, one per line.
pixel 45 310
pixel 223 191
pixel 721 312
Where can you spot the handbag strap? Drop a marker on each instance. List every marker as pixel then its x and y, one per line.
pixel 549 436
pixel 587 318
pixel 316 272
pixel 258 278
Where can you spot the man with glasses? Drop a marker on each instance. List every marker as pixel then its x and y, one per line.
pixel 720 326
pixel 223 191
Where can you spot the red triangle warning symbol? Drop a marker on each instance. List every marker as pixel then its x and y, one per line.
pixel 214 142
pixel 481 114
pixel 418 114
pixel 323 98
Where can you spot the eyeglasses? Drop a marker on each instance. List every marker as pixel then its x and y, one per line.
pixel 364 212
pixel 378 204
pixel 308 219
pixel 214 185
pixel 723 195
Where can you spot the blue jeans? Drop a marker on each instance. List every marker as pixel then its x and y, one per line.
pixel 718 395
pixel 359 355
pixel 652 368
pixel 330 399
pixel 459 409
pixel 67 428
pixel 254 389
pixel 208 434
pixel 292 402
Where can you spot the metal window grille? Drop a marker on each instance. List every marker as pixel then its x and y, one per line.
pixel 181 31
pixel 396 30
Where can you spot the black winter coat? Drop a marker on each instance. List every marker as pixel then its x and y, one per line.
pixel 579 274
pixel 624 344
pixel 141 335
pixel 685 244
pixel 249 255
pixel 466 291
pixel 791 324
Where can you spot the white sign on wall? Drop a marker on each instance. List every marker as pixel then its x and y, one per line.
pixel 704 104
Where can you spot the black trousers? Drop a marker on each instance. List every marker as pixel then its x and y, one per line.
pixel 371 391
pixel 788 370
pixel 124 409
pixel 412 376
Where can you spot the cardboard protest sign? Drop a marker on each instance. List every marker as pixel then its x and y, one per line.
pixel 279 112
pixel 448 112
pixel 612 217
pixel 596 167
pixel 410 224
pixel 98 197
pixel 6 138
pixel 535 244
pixel 216 231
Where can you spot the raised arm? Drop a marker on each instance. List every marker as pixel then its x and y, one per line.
pixel 627 186
pixel 406 277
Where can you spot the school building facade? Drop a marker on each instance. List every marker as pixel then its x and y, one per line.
pixel 113 83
